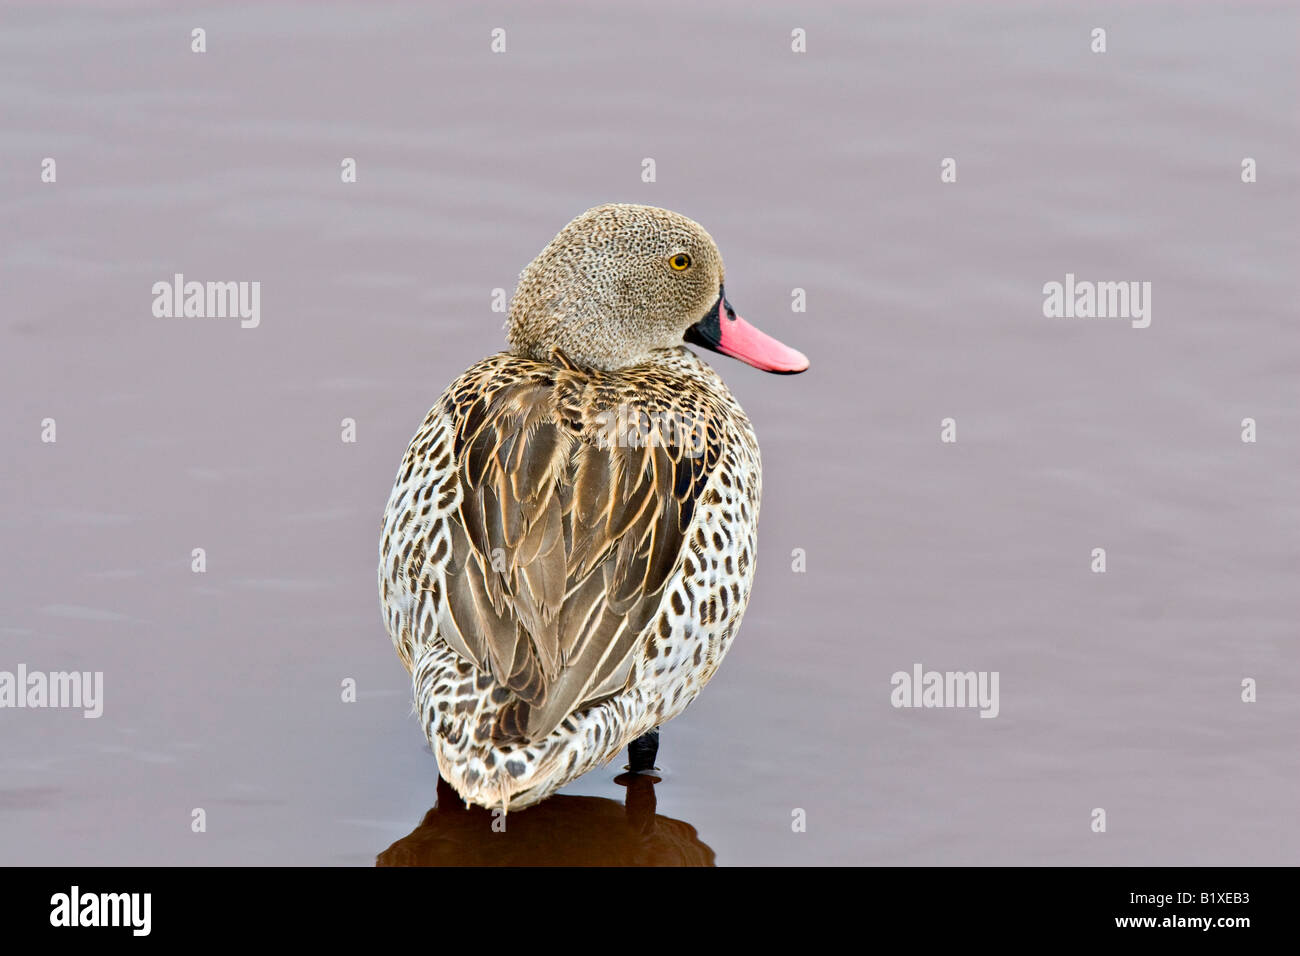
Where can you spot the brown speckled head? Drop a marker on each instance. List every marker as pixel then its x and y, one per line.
pixel 616 284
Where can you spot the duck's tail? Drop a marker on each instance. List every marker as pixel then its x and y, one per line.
pixel 457 714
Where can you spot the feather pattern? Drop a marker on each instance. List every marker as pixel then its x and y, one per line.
pixel 559 527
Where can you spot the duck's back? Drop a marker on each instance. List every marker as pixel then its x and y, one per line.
pixel 565 556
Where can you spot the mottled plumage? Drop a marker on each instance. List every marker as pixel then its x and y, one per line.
pixel 569 545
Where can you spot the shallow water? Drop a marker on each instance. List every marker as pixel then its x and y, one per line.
pixel 222 690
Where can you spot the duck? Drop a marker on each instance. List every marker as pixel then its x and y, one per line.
pixel 570 541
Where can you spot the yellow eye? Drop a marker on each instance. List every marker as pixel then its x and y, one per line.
pixel 680 262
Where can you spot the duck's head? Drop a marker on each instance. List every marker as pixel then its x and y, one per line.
pixel 622 282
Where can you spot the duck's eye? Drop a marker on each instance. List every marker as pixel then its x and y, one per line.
pixel 680 262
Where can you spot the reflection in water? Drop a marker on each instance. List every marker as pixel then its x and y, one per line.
pixel 559 831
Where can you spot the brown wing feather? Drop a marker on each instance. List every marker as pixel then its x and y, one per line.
pixel 562 546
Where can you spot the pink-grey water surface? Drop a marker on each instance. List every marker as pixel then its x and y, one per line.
pixel 817 171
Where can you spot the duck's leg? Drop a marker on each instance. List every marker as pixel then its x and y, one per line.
pixel 641 752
